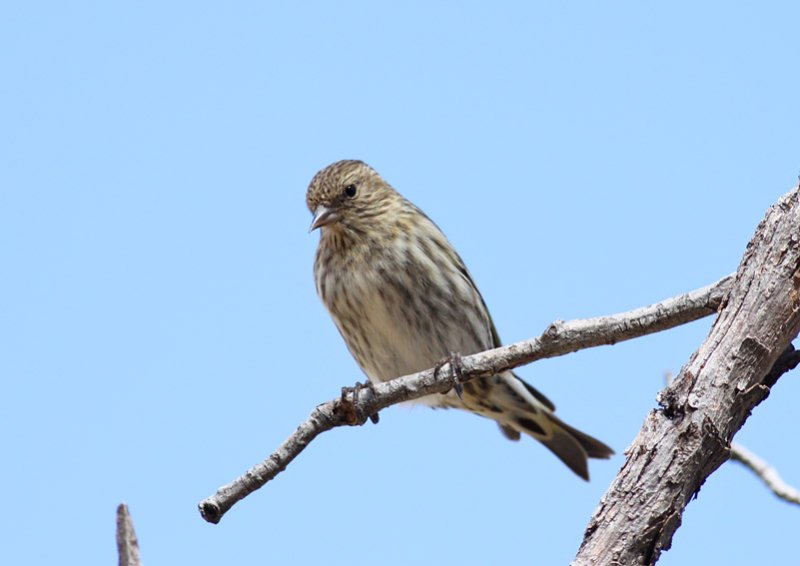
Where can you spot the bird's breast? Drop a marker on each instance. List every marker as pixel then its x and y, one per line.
pixel 400 313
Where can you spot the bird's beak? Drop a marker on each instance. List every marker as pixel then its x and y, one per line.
pixel 322 217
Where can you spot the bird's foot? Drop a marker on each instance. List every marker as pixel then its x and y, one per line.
pixel 456 367
pixel 349 401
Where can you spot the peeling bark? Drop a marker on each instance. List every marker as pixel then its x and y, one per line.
pixel 689 437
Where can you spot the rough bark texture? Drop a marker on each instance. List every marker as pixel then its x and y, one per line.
pixel 689 437
pixel 127 543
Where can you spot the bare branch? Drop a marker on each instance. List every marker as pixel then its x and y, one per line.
pixel 127 544
pixel 560 338
pixel 789 360
pixel 767 473
pixel 688 438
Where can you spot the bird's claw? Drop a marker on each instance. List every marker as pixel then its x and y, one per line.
pixel 457 369
pixel 349 402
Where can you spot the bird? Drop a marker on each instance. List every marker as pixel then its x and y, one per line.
pixel 403 301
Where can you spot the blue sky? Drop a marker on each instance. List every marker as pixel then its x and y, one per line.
pixel 159 328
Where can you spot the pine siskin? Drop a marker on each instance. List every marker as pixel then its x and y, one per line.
pixel 403 301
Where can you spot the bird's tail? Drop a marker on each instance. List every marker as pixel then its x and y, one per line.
pixel 519 408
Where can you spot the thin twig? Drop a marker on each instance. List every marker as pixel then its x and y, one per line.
pixel 767 473
pixel 559 339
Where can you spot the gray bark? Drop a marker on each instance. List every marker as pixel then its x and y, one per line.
pixel 689 436
pixel 127 543
pixel 559 339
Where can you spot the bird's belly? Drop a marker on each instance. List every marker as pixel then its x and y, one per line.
pixel 398 350
pixel 404 337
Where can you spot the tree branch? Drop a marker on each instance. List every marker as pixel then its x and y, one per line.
pixel 560 338
pixel 689 437
pixel 767 473
pixel 789 360
pixel 127 544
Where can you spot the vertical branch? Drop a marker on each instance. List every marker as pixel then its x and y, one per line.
pixel 127 544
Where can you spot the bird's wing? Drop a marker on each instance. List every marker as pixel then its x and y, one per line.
pixel 496 338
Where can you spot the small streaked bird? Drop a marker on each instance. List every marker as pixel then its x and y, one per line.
pixel 404 301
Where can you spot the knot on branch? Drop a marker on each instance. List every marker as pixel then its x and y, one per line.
pixel 671 407
pixel 554 330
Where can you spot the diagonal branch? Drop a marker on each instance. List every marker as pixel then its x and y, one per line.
pixel 689 437
pixel 559 339
pixel 767 473
pixel 789 360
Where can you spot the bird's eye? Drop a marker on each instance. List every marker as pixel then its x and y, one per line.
pixel 350 191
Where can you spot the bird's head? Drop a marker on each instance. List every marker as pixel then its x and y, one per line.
pixel 348 194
